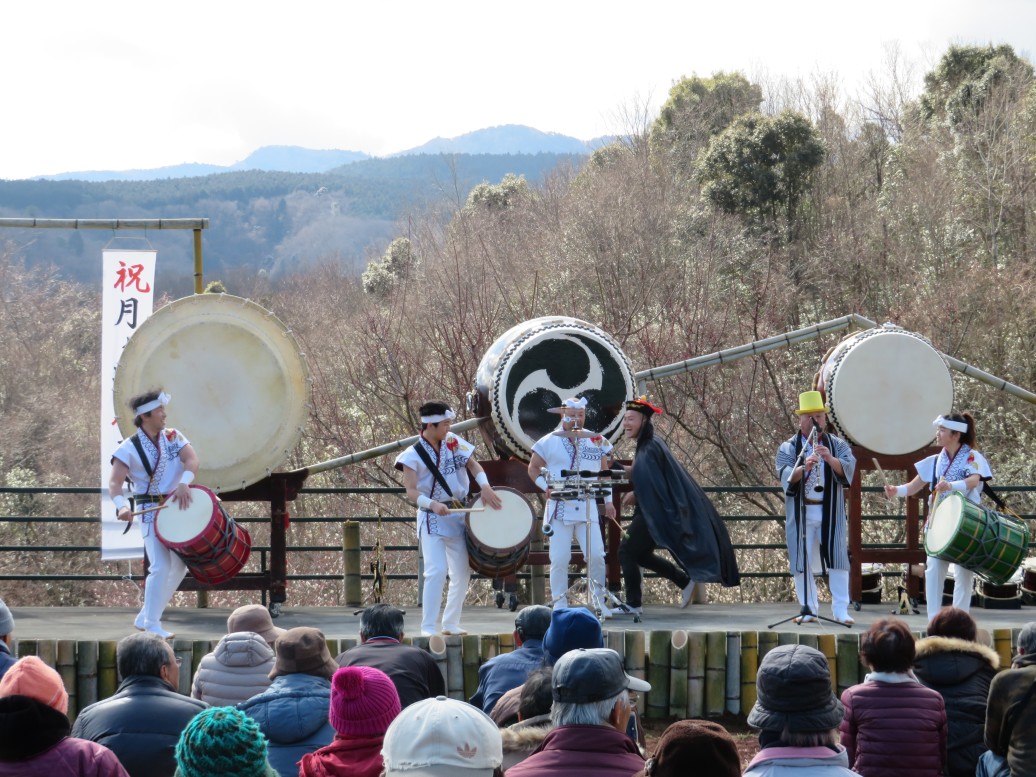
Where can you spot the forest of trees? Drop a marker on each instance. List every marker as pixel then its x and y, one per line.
pixel 742 210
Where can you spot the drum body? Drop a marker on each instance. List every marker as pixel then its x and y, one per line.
pixel 1029 576
pixel 238 383
pixel 536 365
pixel 884 387
pixel 991 545
pixel 213 547
pixel 871 588
pixel 499 540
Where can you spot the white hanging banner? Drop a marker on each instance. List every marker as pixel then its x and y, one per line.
pixel 127 301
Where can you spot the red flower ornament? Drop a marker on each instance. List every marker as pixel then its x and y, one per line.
pixel 452 443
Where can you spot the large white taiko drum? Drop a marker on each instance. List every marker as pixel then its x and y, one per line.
pixel 885 386
pixel 536 365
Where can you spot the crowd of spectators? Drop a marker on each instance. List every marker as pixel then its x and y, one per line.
pixel 269 702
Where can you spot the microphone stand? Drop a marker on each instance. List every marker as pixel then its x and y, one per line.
pixel 807 572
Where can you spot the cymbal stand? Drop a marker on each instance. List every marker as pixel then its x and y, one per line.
pixel 597 598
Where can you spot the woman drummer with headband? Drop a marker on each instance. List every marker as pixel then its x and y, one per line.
pixel 157 462
pixel 957 467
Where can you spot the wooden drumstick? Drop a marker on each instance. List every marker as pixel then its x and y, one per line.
pixel 150 510
pixel 884 480
pixel 467 510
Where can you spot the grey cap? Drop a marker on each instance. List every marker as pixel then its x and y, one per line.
pixel 6 619
pixel 584 675
pixel 793 687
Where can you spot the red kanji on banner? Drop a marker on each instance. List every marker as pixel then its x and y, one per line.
pixel 130 275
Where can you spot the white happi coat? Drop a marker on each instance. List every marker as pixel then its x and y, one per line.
pixel 582 454
pixel 967 462
pixel 451 459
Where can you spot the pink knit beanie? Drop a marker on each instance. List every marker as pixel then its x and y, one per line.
pixel 29 676
pixel 363 701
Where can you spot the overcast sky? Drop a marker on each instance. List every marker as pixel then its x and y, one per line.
pixel 120 85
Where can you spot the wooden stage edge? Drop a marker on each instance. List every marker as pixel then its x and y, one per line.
pixel 112 623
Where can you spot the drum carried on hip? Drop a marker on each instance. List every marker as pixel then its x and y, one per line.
pixel 213 547
pixel 987 543
pixel 872 403
pixel 499 540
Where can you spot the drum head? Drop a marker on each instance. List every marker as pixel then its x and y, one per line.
pixel 509 527
pixel 238 383
pixel 178 527
pixel 884 387
pixel 536 365
pixel 942 527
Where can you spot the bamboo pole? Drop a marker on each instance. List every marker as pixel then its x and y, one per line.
pixel 787 638
pixel 1003 644
pixel 696 648
pixel 107 673
pixel 351 564
pixel 506 642
pixel 658 673
pixel 86 672
pixel 25 647
pixel 469 665
pixel 733 680
pixel 437 647
pixel 454 668
pixel 767 642
pixel 827 644
pixel 809 640
pixel 679 655
pixel 67 669
pixel 848 670
pixel 633 659
pixel 114 224
pixel 749 669
pixel 489 647
pixel 715 670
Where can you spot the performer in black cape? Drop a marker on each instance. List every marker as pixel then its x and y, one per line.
pixel 671 512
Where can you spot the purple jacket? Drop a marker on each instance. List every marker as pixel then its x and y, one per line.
pixel 34 740
pixel 581 751
pixel 894 728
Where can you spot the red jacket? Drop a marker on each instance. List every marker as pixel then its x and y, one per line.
pixel 894 728
pixel 581 751
pixel 345 757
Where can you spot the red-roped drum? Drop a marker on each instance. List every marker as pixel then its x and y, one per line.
pixel 884 387
pixel 536 365
pixel 499 540
pixel 213 547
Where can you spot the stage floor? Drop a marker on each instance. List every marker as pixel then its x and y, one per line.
pixel 103 623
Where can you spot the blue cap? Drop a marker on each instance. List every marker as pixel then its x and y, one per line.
pixel 571 629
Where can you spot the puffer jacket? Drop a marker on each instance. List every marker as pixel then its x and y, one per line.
pixel 581 751
pixel 961 672
pixel 520 740
pixel 799 762
pixel 238 669
pixel 141 723
pixel 292 714
pixel 1012 734
pixel 34 740
pixel 894 726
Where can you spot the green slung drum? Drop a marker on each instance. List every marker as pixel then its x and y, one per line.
pixel 985 542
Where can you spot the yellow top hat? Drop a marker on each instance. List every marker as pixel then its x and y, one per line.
pixel 811 402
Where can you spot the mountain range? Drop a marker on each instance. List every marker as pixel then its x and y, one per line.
pixel 506 139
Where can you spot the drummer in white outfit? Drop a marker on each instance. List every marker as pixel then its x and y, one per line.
pixel 173 464
pixel 568 518
pixel 439 531
pixel 957 467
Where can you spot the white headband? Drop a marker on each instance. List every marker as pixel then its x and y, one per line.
pixel 946 423
pixel 449 415
pixel 147 407
pixel 575 403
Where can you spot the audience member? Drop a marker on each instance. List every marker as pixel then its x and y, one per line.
pixel 363 704
pixel 142 722
pixel 6 631
pixel 693 747
pixel 412 670
pixel 501 673
pixel 590 713
pixel 293 712
pixel 34 728
pixel 951 661
pixel 442 737
pixel 1011 714
pixel 893 725
pixel 570 629
pixel 254 618
pixel 238 669
pixel 222 742
pixel 522 738
pixel 797 715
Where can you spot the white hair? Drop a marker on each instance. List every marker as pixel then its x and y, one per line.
pixel 594 713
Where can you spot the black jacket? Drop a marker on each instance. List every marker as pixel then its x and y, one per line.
pixel 141 723
pixel 412 670
pixel 961 671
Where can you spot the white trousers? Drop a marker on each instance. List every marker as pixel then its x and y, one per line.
pixel 935 571
pixel 837 579
pixel 561 554
pixel 443 556
pixel 165 571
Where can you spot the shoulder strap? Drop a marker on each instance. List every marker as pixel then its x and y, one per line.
pixel 143 458
pixel 997 499
pixel 434 469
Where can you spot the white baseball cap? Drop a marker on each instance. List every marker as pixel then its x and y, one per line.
pixel 436 737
